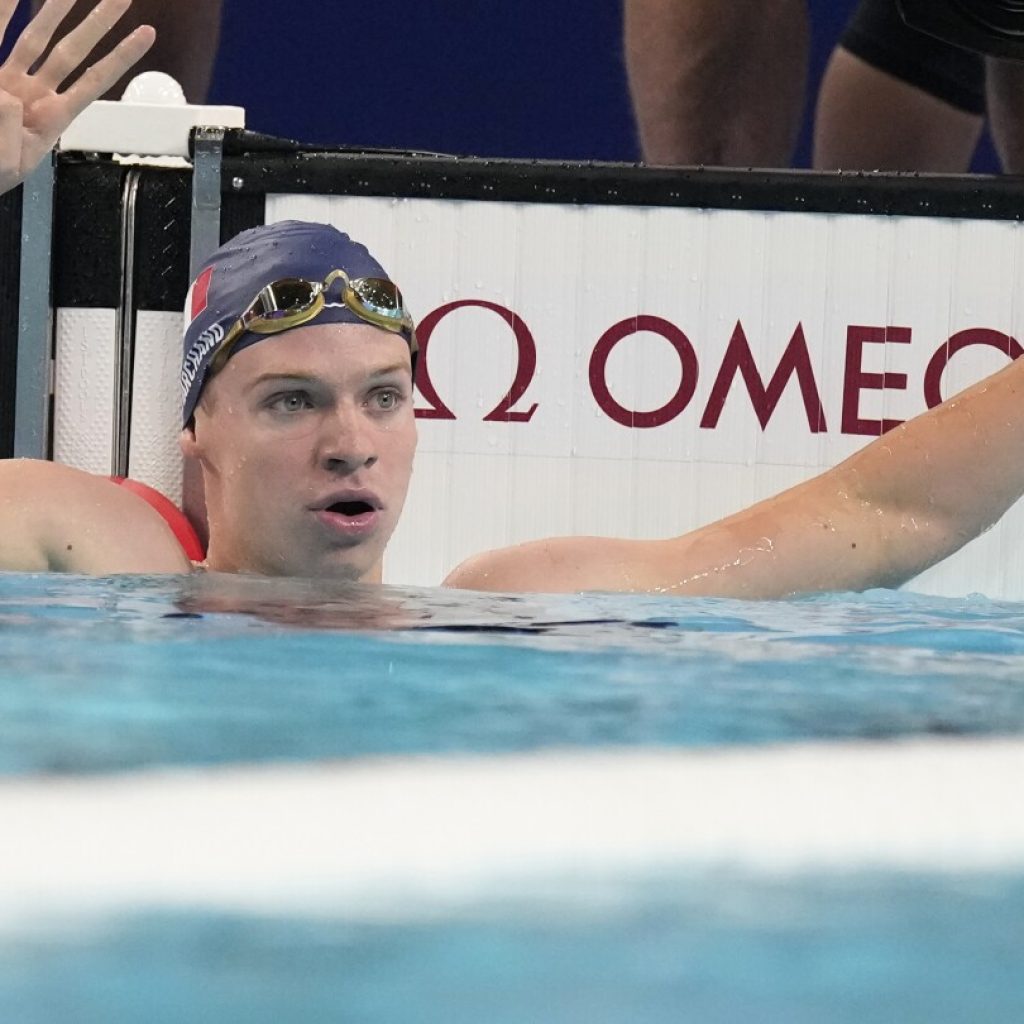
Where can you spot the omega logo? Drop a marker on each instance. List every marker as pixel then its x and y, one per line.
pixel 738 361
pixel 527 367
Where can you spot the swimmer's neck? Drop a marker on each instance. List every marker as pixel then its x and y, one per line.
pixel 345 573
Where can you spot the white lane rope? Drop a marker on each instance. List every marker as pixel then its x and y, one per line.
pixel 369 835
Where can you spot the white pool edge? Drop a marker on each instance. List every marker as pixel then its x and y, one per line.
pixel 377 835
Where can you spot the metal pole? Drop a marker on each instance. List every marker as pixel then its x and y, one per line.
pixel 207 158
pixel 34 381
pixel 125 360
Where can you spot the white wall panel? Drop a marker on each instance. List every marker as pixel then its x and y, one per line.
pixel 571 273
pixel 154 457
pixel 85 361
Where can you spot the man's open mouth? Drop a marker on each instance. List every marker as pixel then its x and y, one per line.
pixel 355 515
pixel 350 508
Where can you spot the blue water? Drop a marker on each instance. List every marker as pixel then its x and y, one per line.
pixel 862 950
pixel 123 674
pixel 102 675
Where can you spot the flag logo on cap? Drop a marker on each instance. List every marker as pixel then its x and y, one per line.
pixel 199 293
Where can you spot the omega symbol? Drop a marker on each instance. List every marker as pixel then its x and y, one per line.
pixel 525 370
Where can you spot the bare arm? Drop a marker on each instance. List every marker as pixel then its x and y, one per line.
pixel 903 503
pixel 33 113
pixel 53 517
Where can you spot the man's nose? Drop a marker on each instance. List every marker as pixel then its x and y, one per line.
pixel 347 442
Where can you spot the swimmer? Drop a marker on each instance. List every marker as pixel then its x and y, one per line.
pixel 298 409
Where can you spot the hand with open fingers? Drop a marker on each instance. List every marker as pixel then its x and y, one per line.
pixel 33 113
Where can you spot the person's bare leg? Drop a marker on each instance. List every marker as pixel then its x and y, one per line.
pixel 1004 84
pixel 187 35
pixel 869 120
pixel 717 83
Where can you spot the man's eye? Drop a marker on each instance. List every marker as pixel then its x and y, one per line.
pixel 387 399
pixel 291 401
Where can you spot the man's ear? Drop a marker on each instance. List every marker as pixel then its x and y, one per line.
pixel 188 443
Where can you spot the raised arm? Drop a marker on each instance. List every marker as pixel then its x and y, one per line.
pixel 898 506
pixel 33 112
pixel 53 517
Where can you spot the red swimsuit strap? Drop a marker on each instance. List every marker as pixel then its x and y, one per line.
pixel 172 515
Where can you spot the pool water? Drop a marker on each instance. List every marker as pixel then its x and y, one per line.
pixel 135 677
pixel 102 675
pixel 914 951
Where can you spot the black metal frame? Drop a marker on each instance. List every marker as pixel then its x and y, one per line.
pixel 256 166
pixel 10 260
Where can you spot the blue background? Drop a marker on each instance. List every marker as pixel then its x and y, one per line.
pixel 533 79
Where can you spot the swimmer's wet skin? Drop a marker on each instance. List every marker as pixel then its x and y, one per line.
pixel 53 517
pixel 305 434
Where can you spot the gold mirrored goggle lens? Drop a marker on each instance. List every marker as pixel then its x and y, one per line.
pixel 379 297
pixel 282 300
pixel 293 301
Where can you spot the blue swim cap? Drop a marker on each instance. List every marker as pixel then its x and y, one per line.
pixel 236 273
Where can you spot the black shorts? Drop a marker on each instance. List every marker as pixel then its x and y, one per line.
pixel 880 37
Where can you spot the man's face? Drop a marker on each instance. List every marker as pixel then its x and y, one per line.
pixel 306 441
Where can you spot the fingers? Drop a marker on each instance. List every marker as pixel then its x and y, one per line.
pixel 68 54
pixel 102 75
pixel 10 141
pixel 36 37
pixel 7 8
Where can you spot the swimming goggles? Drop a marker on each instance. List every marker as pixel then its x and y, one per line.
pixel 293 301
